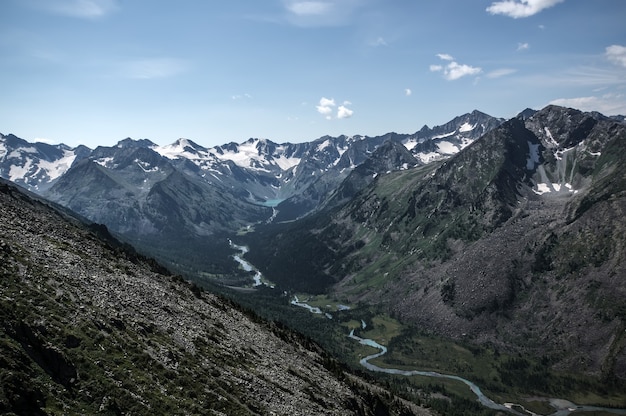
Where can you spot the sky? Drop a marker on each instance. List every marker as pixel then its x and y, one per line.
pixel 94 72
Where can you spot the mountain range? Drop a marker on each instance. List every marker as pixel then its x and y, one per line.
pixel 181 201
pixel 501 233
pixel 517 241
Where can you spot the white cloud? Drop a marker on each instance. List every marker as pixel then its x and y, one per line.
pixel 616 54
pixel 522 46
pixel 408 92
pixel 152 68
pixel 241 96
pixel 45 140
pixel 456 71
pixel 520 8
pixel 86 9
pixel 326 107
pixel 497 73
pixel 343 112
pixel 453 70
pixel 608 104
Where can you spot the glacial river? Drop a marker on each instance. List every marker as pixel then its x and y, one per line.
pixel 247 266
pixel 563 407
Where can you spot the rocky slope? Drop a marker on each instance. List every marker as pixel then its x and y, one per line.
pixel 91 327
pixel 517 241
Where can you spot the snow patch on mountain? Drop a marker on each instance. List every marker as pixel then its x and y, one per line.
pixel 443 136
pixel 410 144
pixel 18 152
pixel 465 142
pixel 145 166
pixel 466 127
pixel 58 167
pixel 326 143
pixel 106 162
pixel 181 148
pixel 544 188
pixel 447 148
pixel 17 172
pixel 247 155
pixel 550 138
pixel 429 157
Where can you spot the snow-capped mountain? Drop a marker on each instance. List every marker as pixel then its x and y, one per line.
pixel 448 139
pixel 267 171
pixel 36 165
pixel 183 191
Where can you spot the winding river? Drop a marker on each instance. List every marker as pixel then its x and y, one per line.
pixel 563 407
pixel 247 266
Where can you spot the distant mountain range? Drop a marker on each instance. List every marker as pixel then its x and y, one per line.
pixel 168 199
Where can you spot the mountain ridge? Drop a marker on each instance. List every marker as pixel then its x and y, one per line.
pixel 524 219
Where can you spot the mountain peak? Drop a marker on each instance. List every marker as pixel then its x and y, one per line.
pixel 185 143
pixel 526 114
pixel 131 143
pixel 478 113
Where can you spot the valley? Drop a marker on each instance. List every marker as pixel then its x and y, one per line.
pixel 462 372
pixel 488 250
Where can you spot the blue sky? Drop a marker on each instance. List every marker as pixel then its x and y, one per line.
pixel 94 72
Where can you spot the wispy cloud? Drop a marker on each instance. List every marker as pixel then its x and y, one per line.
pixel 453 70
pixel 241 96
pixel 326 107
pixel 408 92
pixel 84 9
pixel 581 76
pixel 320 12
pixel 608 104
pixel 308 8
pixel 616 54
pixel 445 57
pixel 523 46
pixel 380 41
pixel 520 8
pixel 502 72
pixel 152 68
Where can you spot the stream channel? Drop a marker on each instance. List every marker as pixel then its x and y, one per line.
pixel 258 281
pixel 563 407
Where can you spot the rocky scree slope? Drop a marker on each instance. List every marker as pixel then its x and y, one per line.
pixel 518 241
pixel 91 327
